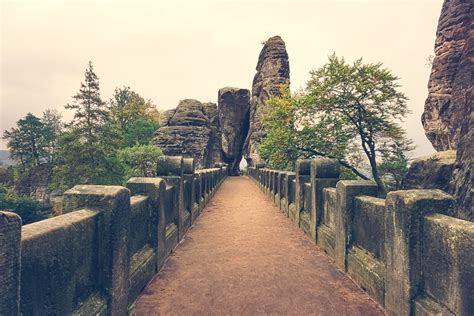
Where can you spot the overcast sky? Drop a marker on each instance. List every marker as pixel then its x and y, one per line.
pixel 171 50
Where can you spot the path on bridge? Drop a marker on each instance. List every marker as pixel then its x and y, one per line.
pixel 243 256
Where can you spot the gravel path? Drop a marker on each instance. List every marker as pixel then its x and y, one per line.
pixel 244 257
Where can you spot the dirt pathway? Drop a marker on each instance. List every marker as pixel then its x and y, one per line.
pixel 243 256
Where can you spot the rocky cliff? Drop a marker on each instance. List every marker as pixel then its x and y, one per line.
pixel 191 130
pixel 445 104
pixel 273 71
pixel 448 116
pixel 233 106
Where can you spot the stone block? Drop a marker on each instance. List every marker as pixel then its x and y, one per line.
pixel 155 190
pixel 405 211
pixel 448 256
pixel 324 174
pixel 346 190
pixel 114 203
pixel 170 166
pixel 10 263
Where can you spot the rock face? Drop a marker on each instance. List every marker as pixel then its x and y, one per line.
pixel 448 117
pixel 233 105
pixel 433 172
pixel 191 130
pixel 273 71
pixel 445 105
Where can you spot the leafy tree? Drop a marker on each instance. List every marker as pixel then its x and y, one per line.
pixel 365 98
pixel 141 160
pixel 395 160
pixel 52 129
pixel 139 132
pixel 29 209
pixel 294 133
pixel 26 141
pixel 127 106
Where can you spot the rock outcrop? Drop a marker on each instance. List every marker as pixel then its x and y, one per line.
pixel 273 71
pixel 233 107
pixel 190 130
pixel 445 105
pixel 433 172
pixel 448 117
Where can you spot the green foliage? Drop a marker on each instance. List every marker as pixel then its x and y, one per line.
pixel 345 109
pixel 139 132
pixel 27 208
pixel 365 98
pixel 90 111
pixel 79 162
pixel 87 152
pixel 394 164
pixel 127 107
pixel 140 160
pixel 25 141
pixel 293 133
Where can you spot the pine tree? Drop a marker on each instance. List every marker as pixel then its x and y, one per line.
pixel 87 153
pixel 91 112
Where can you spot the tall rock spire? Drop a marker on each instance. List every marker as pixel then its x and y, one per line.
pixel 273 71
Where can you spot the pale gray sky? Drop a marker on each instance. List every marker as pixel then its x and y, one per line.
pixel 172 50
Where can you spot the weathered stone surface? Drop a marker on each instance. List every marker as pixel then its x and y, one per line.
pixel 405 211
pixel 233 105
pixel 448 116
pixel 450 82
pixel 191 130
pixel 10 247
pixel 448 253
pixel 273 71
pixel 432 172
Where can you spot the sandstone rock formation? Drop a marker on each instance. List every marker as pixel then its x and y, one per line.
pixel 442 117
pixel 191 130
pixel 433 172
pixel 273 71
pixel 448 116
pixel 233 106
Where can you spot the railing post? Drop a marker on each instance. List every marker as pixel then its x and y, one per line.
pixel 403 233
pixel 302 170
pixel 324 174
pixel 189 174
pixel 114 202
pixel 155 190
pixel 10 263
pixel 346 191
pixel 171 169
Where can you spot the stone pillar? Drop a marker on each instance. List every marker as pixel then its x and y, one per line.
pixel 155 190
pixel 171 169
pixel 290 195
pixel 403 233
pixel 346 191
pixel 10 263
pixel 324 174
pixel 114 203
pixel 303 171
pixel 188 166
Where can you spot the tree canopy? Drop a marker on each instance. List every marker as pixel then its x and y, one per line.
pixel 346 109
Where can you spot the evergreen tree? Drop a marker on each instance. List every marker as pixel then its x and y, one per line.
pixel 87 152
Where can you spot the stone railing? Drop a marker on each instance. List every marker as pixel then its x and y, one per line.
pixel 406 251
pixel 97 257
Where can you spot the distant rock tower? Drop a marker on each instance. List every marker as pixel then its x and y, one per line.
pixel 273 71
pixel 233 106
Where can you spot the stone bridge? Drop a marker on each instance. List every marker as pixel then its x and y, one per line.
pixel 309 243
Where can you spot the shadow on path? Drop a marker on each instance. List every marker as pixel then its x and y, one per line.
pixel 243 256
